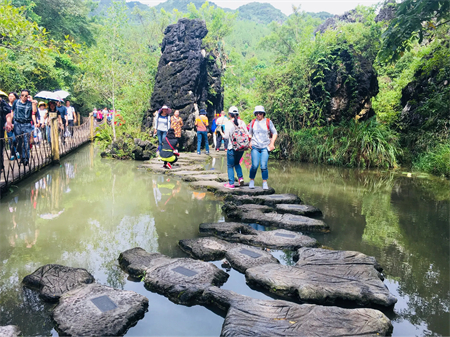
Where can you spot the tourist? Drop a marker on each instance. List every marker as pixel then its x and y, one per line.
pixel 220 131
pixel 168 153
pixel 5 110
pixel 94 113
pixel 263 135
pixel 100 116
pixel 51 109
pixel 24 112
pixel 71 117
pixel 40 116
pixel 62 119
pixel 201 122
pixel 12 97
pixel 176 122
pixel 234 127
pixel 162 124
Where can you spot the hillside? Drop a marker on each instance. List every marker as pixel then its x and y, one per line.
pixel 103 5
pixel 261 13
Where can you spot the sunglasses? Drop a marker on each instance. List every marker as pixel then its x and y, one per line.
pixel 22 95
pixel 259 113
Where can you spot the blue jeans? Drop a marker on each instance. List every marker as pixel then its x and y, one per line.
pixel 161 135
pixel 260 156
pixel 204 135
pixel 12 142
pixel 233 159
pixel 23 142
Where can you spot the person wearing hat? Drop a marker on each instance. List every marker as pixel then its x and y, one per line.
pixel 201 122
pixel 234 156
pixel 162 124
pixel 263 135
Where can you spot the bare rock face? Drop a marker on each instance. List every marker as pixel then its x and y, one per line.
pixel 187 79
pixel 9 331
pixel 97 310
pixel 52 280
pixel 251 317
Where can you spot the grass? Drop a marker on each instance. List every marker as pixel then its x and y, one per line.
pixel 435 161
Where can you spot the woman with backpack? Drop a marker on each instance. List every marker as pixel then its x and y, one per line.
pixel 238 141
pixel 263 135
pixel 168 154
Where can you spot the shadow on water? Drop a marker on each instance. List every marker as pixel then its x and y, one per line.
pixel 88 210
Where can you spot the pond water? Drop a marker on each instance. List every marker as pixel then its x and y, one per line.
pixel 86 211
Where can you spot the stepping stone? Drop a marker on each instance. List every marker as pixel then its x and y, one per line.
pixel 219 189
pixel 206 249
pixel 305 210
pixel 318 256
pixel 352 284
pixel 98 310
pixel 206 177
pixel 10 331
pixel 244 233
pixel 53 280
pixel 269 200
pixel 191 173
pixel 182 280
pixel 158 168
pixel 259 214
pixel 251 317
pixel 244 257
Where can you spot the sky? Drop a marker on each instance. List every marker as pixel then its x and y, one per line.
pixel 330 6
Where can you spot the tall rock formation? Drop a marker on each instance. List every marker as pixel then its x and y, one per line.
pixel 187 79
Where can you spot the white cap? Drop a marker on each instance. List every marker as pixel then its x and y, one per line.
pixel 164 107
pixel 259 108
pixel 233 110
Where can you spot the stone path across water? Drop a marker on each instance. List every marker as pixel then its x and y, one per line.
pixel 219 189
pixel 269 200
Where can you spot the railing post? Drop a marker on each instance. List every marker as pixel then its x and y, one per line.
pixel 54 136
pixel 91 121
pixel 78 118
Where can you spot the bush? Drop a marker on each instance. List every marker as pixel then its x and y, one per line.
pixel 436 161
pixel 351 144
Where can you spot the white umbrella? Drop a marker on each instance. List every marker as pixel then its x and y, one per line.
pixel 61 93
pixel 48 95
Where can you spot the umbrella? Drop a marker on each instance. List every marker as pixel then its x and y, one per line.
pixel 61 93
pixel 3 93
pixel 48 95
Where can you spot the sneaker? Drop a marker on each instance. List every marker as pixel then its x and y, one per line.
pixel 198 152
pixel 207 152
pixel 17 155
pixel 169 166
pixel 12 158
pixel 241 181
pixel 265 186
pixel 251 184
pixel 228 185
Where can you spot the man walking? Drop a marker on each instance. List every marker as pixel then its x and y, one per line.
pixel 62 118
pixel 220 130
pixel 24 111
pixel 71 117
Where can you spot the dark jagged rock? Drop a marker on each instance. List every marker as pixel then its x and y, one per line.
pixel 207 249
pixel 331 23
pixel 53 280
pixel 219 189
pixel 251 317
pixel 348 284
pixel 182 280
pixel 187 78
pixel 264 215
pixel 243 257
pixel 269 200
pixel 10 331
pixel 387 12
pixel 98 310
pixel 243 233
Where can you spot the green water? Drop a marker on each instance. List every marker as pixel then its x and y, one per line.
pixel 88 210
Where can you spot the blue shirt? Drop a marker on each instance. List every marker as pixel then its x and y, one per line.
pixel 62 111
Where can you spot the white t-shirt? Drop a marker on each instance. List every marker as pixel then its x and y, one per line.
pixel 70 113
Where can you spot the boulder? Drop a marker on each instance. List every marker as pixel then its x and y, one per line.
pixel 10 331
pixel 251 317
pixel 269 200
pixel 53 280
pixel 348 284
pixel 244 233
pixel 262 215
pixel 219 189
pixel 182 280
pixel 98 310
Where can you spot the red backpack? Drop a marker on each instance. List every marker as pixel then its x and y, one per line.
pixel 268 126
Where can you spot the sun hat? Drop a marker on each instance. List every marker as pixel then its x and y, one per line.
pixel 233 110
pixel 42 103
pixel 259 108
pixel 165 107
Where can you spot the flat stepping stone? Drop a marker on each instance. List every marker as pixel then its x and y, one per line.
pixel 357 284
pixel 205 177
pixel 182 280
pixel 98 310
pixel 305 210
pixel 269 200
pixel 206 249
pixel 251 317
pixel 244 233
pixel 158 168
pixel 191 173
pixel 10 331
pixel 261 214
pixel 243 257
pixel 219 189
pixel 53 280
pixel 318 256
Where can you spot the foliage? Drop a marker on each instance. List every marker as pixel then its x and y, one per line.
pixel 353 144
pixel 261 13
pixel 435 161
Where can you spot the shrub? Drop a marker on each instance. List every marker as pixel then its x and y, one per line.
pixel 436 161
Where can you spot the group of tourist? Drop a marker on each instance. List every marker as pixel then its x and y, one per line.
pixel 99 115
pixel 259 136
pixel 24 119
